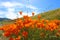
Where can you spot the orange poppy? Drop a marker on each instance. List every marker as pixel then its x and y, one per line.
pixel 33 13
pixel 1 28
pixel 18 38
pixel 24 33
pixel 39 16
pixel 6 34
pixel 20 12
pixel 25 17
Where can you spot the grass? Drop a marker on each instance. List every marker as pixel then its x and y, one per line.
pixel 50 15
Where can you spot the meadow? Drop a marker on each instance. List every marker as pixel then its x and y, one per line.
pixel 44 26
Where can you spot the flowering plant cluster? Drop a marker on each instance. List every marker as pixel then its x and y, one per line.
pixel 32 29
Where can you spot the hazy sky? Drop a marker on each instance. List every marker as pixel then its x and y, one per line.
pixel 10 8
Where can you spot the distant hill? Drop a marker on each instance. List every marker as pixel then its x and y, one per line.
pixel 50 15
pixel 3 19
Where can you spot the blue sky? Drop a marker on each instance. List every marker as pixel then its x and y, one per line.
pixel 10 8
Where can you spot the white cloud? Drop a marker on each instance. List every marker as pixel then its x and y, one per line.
pixel 11 9
pixel 10 13
pixel 31 7
pixel 11 4
pixel 6 4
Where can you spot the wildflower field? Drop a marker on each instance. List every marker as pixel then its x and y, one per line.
pixel 31 29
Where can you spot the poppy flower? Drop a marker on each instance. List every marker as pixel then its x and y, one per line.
pixel 20 12
pixel 39 16
pixel 26 16
pixel 24 33
pixel 11 38
pixel 1 28
pixel 33 13
pixel 7 34
pixel 18 38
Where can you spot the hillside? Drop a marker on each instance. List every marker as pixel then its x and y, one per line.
pixel 5 21
pixel 50 15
